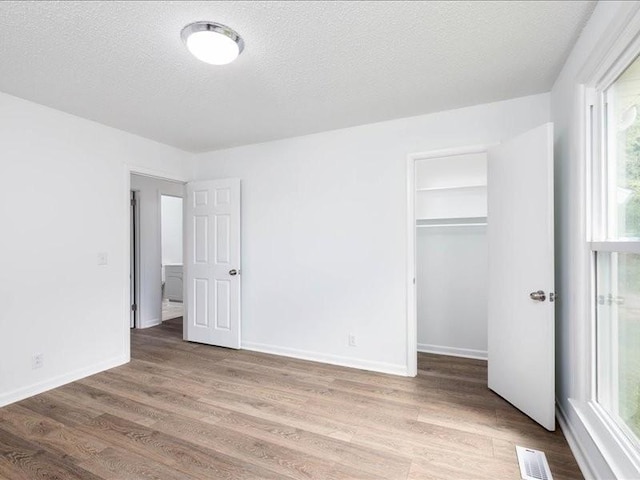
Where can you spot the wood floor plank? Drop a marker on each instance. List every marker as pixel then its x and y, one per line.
pixel 368 460
pixel 295 417
pixel 212 384
pixel 418 439
pixel 183 410
pixel 185 456
pixel 25 422
pixel 288 462
pixel 107 402
pixel 120 464
pixel 462 468
pixel 156 397
pixel 64 412
pixel 25 459
pixel 48 434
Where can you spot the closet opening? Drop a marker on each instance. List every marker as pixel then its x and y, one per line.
pixel 449 268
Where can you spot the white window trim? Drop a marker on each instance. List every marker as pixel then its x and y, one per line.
pixel 623 246
pixel 621 48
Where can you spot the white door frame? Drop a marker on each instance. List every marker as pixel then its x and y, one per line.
pixel 412 314
pixel 126 208
pixel 134 266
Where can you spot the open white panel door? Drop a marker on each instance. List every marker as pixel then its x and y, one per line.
pixel 521 273
pixel 212 262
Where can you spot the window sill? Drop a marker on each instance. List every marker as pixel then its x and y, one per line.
pixel 619 453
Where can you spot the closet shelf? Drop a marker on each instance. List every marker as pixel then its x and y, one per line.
pixel 452 222
pixel 456 187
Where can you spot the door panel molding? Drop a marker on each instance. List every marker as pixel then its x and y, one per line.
pixel 212 253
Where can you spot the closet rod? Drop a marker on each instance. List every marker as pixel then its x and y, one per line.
pixel 452 222
pixel 440 225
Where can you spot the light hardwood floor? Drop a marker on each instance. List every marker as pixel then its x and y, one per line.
pixel 181 411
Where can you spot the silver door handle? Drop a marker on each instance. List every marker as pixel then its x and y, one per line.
pixel 233 272
pixel 538 296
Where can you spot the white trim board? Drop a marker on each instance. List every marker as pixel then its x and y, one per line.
pixel 581 458
pixel 452 351
pixel 350 362
pixel 40 387
pixel 154 322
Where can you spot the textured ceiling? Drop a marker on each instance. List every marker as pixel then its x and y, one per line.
pixel 307 66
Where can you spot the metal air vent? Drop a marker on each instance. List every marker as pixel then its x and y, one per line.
pixel 533 464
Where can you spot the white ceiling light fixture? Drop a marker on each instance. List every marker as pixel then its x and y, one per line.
pixel 212 42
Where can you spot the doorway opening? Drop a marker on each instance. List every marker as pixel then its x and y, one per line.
pixel 209 235
pixel 171 233
pixel 155 250
pixel 449 265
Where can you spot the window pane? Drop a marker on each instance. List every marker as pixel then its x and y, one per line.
pixel 618 325
pixel 623 155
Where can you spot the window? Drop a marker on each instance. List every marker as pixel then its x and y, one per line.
pixel 616 250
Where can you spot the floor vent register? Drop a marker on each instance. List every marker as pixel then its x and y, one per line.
pixel 533 464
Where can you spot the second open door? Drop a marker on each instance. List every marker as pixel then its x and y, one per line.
pixel 212 262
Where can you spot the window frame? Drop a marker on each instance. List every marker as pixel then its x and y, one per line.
pixel 597 229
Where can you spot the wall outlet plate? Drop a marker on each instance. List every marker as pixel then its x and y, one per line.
pixel 37 361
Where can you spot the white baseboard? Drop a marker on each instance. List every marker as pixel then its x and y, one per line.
pixel 574 445
pixel 327 358
pixel 150 323
pixel 40 387
pixel 453 351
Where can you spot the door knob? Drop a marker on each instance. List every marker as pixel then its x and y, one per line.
pixel 233 272
pixel 538 296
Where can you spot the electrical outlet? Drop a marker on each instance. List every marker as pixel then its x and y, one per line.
pixel 37 361
pixel 103 258
pixel 352 340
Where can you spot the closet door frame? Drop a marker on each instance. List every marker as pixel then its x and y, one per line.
pixel 412 315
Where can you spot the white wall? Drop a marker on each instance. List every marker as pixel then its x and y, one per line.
pixel 63 199
pixel 171 230
pixel 451 289
pixel 149 194
pixel 324 230
pixel 573 372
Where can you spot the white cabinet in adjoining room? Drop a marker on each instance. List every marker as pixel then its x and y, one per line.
pixel 173 282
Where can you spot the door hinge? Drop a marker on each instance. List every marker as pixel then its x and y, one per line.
pixel 134 308
pixel 553 297
pixel 133 202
